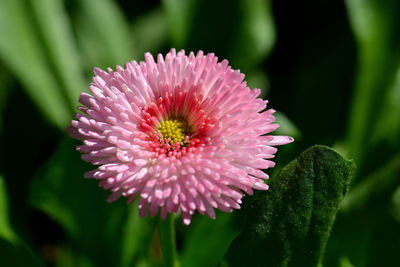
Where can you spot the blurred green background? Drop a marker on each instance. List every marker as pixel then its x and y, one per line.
pixel 330 68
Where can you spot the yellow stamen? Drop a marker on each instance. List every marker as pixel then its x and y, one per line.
pixel 175 129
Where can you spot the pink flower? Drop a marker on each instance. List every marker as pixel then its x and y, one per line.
pixel 185 133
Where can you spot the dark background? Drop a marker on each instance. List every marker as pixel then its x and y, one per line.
pixel 330 68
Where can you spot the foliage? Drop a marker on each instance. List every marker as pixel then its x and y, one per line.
pixel 330 68
pixel 290 225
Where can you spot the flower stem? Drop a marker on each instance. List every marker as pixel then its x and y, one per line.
pixel 168 241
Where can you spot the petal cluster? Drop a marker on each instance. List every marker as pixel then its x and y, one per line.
pixel 182 133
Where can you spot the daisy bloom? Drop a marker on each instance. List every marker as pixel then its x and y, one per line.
pixel 184 133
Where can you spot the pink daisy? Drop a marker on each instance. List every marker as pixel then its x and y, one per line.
pixel 184 133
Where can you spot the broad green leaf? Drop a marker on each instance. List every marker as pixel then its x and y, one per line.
pixel 290 224
pixel 207 240
pixel 375 25
pixel 21 52
pixel 55 26
pixel 103 34
pixel 79 206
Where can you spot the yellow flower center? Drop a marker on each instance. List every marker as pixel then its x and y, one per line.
pixel 175 129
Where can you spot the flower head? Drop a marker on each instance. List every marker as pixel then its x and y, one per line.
pixel 184 133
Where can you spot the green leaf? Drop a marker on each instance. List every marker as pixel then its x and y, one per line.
pixel 179 15
pixel 22 53
pixel 287 127
pixel 13 251
pixel 290 224
pixel 255 36
pixel 258 79
pixel 375 25
pixel 17 255
pixel 384 249
pixel 378 184
pixel 66 257
pixel 214 245
pixel 363 227
pixel 6 231
pixel 55 27
pixel 246 40
pixel 388 123
pixel 136 237
pixel 103 34
pixel 395 205
pixel 79 206
pixel 344 262
pixel 104 233
pixel 5 89
pixel 150 32
pixel 367 239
